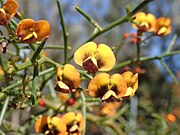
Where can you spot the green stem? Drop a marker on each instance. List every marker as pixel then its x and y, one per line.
pixel 18 83
pixel 169 71
pixel 34 84
pixel 65 33
pixel 131 61
pixel 83 110
pixel 38 51
pixel 172 43
pixel 3 111
pixel 92 21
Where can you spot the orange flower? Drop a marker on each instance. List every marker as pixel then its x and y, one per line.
pixel 170 118
pixel 74 123
pixel 132 83
pixel 93 57
pixel 163 26
pixel 145 22
pixel 68 79
pixel 50 126
pixel 30 31
pixel 7 11
pixel 109 109
pixel 106 87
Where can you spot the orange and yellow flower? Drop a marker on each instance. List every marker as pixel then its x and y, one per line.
pixel 107 87
pixel 132 83
pixel 68 79
pixel 93 57
pixel 50 126
pixel 7 11
pixel 30 31
pixel 144 22
pixel 74 123
pixel 163 26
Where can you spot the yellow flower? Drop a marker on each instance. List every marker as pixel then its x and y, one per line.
pixel 50 126
pixel 144 22
pixel 7 11
pixel 132 83
pixel 93 57
pixel 30 31
pixel 74 123
pixel 68 79
pixel 106 87
pixel 163 26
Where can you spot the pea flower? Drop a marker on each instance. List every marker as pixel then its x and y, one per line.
pixel 50 126
pixel 30 31
pixel 68 79
pixel 74 123
pixel 7 11
pixel 93 57
pixel 144 22
pixel 132 83
pixel 163 26
pixel 107 87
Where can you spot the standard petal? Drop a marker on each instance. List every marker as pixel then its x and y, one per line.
pixel 84 52
pixel 23 28
pixel 41 123
pixel 3 18
pixel 42 28
pixel 71 76
pixel 105 58
pixel 68 118
pixel 127 76
pixel 120 84
pixel 98 85
pixel 10 7
pixel 59 124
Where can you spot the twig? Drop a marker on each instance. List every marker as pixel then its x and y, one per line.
pixel 65 33
pixel 83 110
pixel 92 21
pixel 3 111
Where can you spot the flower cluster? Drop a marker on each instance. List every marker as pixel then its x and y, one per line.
pixel 148 23
pixel 28 30
pixel 97 57
pixel 68 124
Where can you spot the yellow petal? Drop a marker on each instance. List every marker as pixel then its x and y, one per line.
pixel 59 73
pixel 41 123
pixel 98 86
pixel 127 76
pixel 68 118
pixel 73 128
pixel 162 31
pixel 28 36
pixel 62 85
pixel 84 52
pixel 120 83
pixel 105 57
pixel 108 94
pixel 71 76
pixel 59 124
pixel 129 93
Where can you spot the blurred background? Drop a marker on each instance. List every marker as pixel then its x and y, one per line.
pixel 157 93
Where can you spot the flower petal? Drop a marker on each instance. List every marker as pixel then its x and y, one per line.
pixel 10 7
pixel 120 83
pixel 98 85
pixel 42 28
pixel 23 28
pixel 3 18
pixel 68 118
pixel 41 123
pixel 84 52
pixel 59 124
pixel 105 58
pixel 71 76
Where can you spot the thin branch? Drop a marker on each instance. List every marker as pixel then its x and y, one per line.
pixel 65 33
